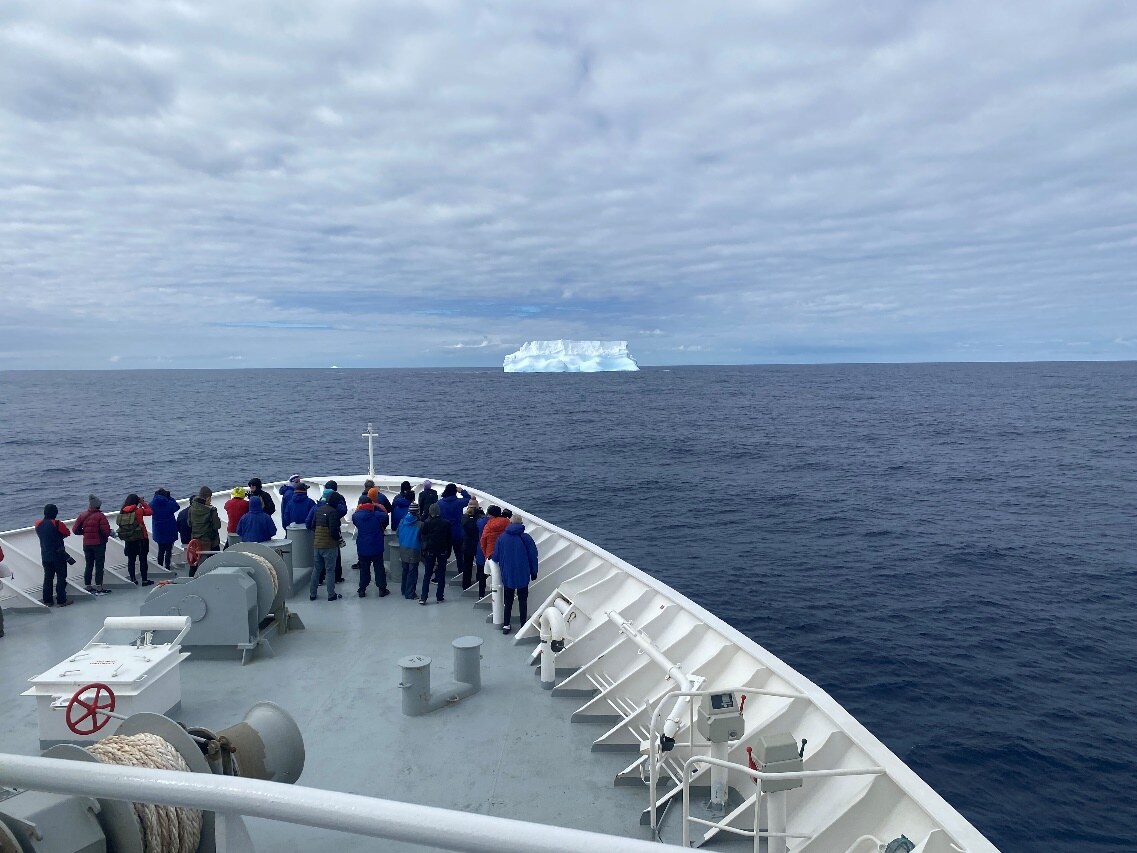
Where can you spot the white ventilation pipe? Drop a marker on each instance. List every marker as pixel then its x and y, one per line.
pixel 553 630
pixel 497 594
pixel 675 718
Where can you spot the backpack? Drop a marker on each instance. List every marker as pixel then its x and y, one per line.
pixel 129 530
pixel 185 533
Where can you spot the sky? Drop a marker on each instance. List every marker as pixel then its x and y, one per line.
pixel 387 184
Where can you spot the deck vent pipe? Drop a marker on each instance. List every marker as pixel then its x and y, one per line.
pixel 419 699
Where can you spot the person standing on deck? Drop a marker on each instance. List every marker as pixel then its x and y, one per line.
pixel 53 554
pixel 5 573
pixel 480 555
pixel 495 524
pixel 165 524
pixel 324 522
pixel 131 529
pixel 267 503
pixel 410 549
pixel 403 499
pixel 205 527
pixel 436 543
pixel 516 553
pixel 335 499
pixel 427 496
pixel 93 526
pixel 256 525
pixel 286 493
pixel 370 521
pixel 451 507
pixel 235 509
pixel 469 545
pixel 297 507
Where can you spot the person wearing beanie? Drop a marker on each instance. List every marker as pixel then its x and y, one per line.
pixel 93 526
pixel 426 497
pixel 370 521
pixel 339 502
pixel 164 525
pixel 436 544
pixel 403 499
pixel 324 522
pixel 297 507
pixel 516 555
pixel 205 528
pixel 379 499
pixel 235 509
pixel 255 490
pixel 451 506
pixel 135 537
pixel 53 555
pixel 409 549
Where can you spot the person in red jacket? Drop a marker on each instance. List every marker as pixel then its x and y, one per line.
pixel 235 509
pixel 493 529
pixel 93 526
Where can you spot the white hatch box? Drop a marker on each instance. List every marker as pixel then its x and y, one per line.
pixel 142 676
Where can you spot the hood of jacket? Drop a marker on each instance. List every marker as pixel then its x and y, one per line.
pixel 515 528
pixel 256 505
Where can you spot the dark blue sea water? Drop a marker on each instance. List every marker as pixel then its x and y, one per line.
pixel 949 550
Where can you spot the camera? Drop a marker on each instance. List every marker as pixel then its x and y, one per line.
pixel 70 560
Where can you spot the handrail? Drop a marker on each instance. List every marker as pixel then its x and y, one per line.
pixel 758 776
pixel 444 829
pixel 653 769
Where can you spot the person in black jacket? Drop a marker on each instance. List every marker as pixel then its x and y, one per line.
pixel 426 497
pixel 267 503
pixel 469 544
pixel 435 538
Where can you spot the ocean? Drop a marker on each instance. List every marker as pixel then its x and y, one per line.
pixel 947 549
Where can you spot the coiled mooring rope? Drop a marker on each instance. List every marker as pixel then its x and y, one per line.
pixel 165 829
pixel 269 568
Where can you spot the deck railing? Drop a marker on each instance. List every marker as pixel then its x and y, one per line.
pixel 232 797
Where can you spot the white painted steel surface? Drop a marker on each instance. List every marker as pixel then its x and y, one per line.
pixel 439 828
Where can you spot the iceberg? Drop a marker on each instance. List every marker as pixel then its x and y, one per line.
pixel 570 357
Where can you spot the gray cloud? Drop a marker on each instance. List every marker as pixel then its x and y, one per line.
pixel 724 183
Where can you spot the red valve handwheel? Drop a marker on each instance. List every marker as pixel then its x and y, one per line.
pixel 91 709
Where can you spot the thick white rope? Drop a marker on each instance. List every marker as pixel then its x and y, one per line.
pixel 165 829
pixel 269 568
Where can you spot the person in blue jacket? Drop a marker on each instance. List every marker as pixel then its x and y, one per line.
pixel 164 525
pixel 401 502
pixel 516 555
pixel 286 492
pixel 410 551
pixel 370 521
pixel 298 506
pixel 256 525
pixel 451 507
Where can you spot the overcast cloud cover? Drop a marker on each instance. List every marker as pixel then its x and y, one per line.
pixel 367 183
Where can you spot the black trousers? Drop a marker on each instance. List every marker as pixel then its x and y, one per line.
pixel 54 571
pixel 138 550
pixel 96 557
pixel 464 551
pixel 165 554
pixel 522 604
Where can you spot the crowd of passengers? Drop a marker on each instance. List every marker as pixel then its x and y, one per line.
pixel 429 529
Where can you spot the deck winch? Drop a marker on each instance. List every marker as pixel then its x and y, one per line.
pixel 236 599
pixel 266 744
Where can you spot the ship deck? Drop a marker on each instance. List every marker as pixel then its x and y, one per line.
pixel 509 750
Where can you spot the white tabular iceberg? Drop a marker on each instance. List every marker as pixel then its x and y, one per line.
pixel 570 357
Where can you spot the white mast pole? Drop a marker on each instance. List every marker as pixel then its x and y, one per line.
pixel 370 436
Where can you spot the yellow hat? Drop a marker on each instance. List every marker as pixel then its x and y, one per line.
pixel 239 492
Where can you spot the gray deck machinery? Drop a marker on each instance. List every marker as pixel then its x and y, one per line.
pixel 266 745
pixel 236 600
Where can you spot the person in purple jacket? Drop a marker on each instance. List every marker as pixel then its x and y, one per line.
pixel 516 555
